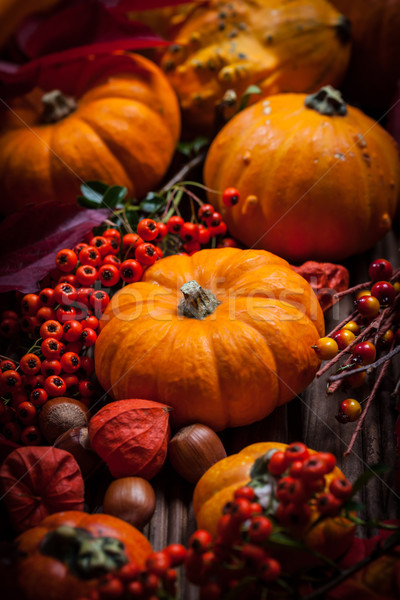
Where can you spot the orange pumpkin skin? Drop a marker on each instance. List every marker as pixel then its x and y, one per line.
pixel 43 577
pixel 232 368
pixel 124 131
pixel 331 537
pixel 374 66
pixel 278 45
pixel 305 179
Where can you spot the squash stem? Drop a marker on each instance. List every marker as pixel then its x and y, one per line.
pixel 56 106
pixel 197 302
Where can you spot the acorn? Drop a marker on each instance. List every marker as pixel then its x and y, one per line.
pixel 193 450
pixel 58 415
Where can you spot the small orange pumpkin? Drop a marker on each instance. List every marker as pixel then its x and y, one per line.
pixel 53 567
pixel 278 45
pixel 223 337
pixel 332 536
pixel 122 131
pixel 318 180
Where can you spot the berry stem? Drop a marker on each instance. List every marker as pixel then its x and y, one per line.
pixel 373 365
pixel 370 398
pixel 335 359
pixel 354 316
pixel 194 162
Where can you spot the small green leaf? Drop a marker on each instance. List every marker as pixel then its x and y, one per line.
pixel 260 465
pixel 94 190
pixel 192 147
pixel 152 203
pixel 391 542
pixel 365 477
pixel 87 202
pixel 113 196
pixel 252 89
pixel 282 539
pixel 353 506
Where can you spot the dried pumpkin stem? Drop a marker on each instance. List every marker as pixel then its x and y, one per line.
pixel 197 302
pixel 327 101
pixel 57 106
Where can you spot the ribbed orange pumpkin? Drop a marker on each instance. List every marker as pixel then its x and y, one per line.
pixel 230 364
pixel 374 64
pixel 123 131
pixel 50 567
pixel 317 180
pixel 278 45
pixel 332 536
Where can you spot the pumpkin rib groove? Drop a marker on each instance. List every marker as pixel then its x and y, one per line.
pixel 131 156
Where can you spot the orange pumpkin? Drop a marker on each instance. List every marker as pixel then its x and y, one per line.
pixel 224 351
pixel 317 179
pixel 278 45
pixel 123 130
pixel 374 65
pixel 53 567
pixel 332 536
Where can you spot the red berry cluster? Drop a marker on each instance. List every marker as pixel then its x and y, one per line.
pixel 242 553
pixel 157 580
pixel 359 336
pixel 63 317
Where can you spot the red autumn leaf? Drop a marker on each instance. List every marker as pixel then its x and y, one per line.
pixel 326 279
pixel 37 481
pixel 131 436
pixel 30 240
pixel 57 60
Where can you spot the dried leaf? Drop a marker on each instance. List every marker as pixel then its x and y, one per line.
pixel 326 279
pixel 30 240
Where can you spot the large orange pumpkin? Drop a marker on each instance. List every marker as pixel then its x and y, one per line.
pixel 122 131
pixel 374 64
pixel 224 351
pixel 317 179
pixel 332 536
pixel 56 563
pixel 278 45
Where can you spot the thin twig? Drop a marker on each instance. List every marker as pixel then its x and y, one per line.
pixel 354 316
pixel 194 162
pixel 373 365
pixel 355 288
pixel 368 403
pixel 346 350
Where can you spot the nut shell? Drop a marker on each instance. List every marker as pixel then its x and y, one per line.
pixel 61 414
pixel 193 450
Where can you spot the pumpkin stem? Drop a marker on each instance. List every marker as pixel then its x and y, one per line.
pixel 56 106
pixel 86 556
pixel 327 101
pixel 197 302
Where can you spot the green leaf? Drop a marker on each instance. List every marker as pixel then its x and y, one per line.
pixel 192 147
pixel 391 542
pixel 282 539
pixel 87 202
pixel 365 477
pixel 252 89
pixel 353 506
pixel 260 465
pixel 152 203
pixel 113 196
pixel 94 190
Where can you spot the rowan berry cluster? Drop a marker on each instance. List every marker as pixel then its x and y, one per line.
pixel 288 492
pixel 62 320
pixel 371 329
pixel 157 580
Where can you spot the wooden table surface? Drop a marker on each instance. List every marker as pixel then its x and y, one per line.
pixel 311 419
